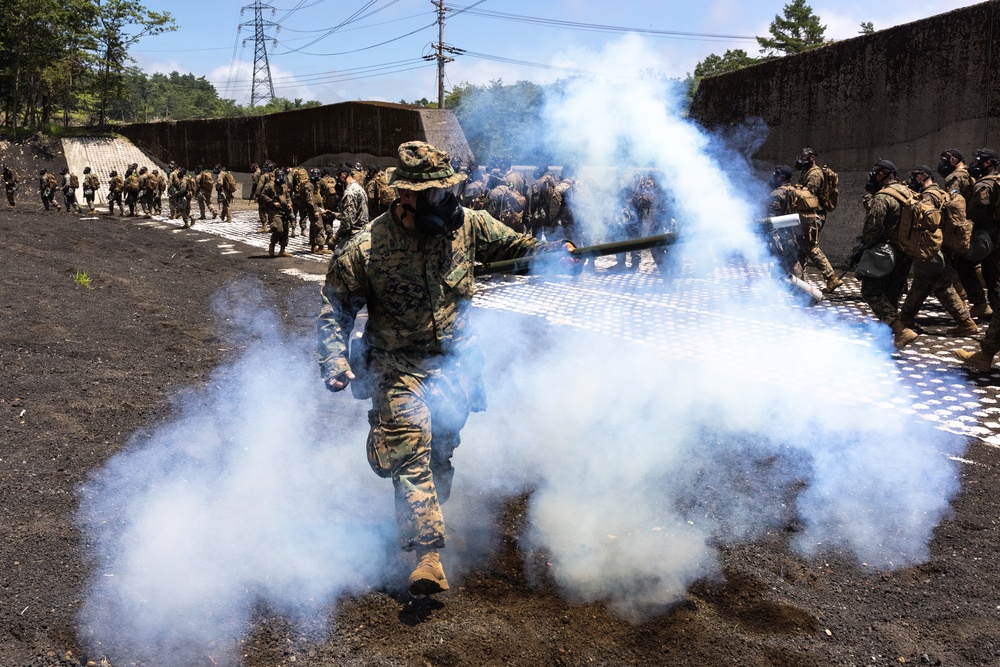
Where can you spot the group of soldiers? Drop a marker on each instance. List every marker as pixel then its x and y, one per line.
pixel 946 237
pixel 296 200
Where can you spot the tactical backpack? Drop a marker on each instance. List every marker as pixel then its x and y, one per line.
pixel 919 233
pixel 829 194
pixel 956 229
pixel 802 200
pixel 74 181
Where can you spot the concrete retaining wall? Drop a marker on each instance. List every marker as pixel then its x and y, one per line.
pixel 903 94
pixel 367 132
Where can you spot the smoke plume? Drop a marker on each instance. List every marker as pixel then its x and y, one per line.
pixel 652 423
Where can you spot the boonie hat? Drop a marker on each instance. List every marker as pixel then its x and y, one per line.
pixel 422 166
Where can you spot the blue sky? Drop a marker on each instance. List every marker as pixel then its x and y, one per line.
pixel 378 54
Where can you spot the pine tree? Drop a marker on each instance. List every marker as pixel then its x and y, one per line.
pixel 798 30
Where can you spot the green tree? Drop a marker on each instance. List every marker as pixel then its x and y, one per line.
pixel 867 28
pixel 732 59
pixel 796 31
pixel 119 25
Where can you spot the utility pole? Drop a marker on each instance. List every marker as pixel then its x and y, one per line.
pixel 262 89
pixel 441 48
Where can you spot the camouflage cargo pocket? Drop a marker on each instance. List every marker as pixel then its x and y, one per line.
pixel 379 454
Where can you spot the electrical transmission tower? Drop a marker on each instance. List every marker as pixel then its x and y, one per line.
pixel 441 48
pixel 262 89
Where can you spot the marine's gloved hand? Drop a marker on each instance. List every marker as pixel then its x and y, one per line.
pixel 570 261
pixel 340 381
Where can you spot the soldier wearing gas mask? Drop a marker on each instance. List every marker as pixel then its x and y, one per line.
pixel 882 225
pixel 956 176
pixel 983 209
pixel 419 360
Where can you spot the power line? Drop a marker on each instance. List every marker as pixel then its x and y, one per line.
pixel 598 27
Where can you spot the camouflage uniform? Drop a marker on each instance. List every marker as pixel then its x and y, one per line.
pixel 380 195
pixel 91 183
pixel 206 184
pixel 538 202
pixel 296 177
pixel 352 214
pixel 131 191
pixel 159 186
pixel 145 197
pixel 254 181
pixel 47 185
pixel 984 211
pixel 331 195
pixel 273 197
pixel 69 185
pixel 969 273
pixel 785 243
pixel 425 362
pixel 812 180
pixel 186 191
pixel 940 285
pixel 116 184
pixel 9 183
pixel 262 209
pixel 882 224
pixel 507 206
pixel 474 194
pixel 312 201
pixel 225 186
pixel 173 190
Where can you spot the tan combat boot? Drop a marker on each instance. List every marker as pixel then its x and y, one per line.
pixel 428 577
pixel 283 253
pixel 980 311
pixel 966 327
pixel 980 361
pixel 901 334
pixel 832 283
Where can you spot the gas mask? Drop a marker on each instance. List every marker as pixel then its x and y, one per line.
pixel 775 181
pixel 437 213
pixel 873 185
pixel 944 166
pixel 802 163
pixel 976 168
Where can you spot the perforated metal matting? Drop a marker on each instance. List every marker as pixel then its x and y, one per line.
pixel 634 306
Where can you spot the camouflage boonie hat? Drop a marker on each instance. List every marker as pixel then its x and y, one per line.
pixel 422 166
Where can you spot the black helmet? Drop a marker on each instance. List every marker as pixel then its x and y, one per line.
pixel 143 170
pixel 217 169
pixel 86 170
pixel 279 176
pixel 344 169
pixel 325 171
pixel 64 170
pixel 181 171
pixel 540 171
pixel 314 174
pixel 112 173
pixel 42 172
pixel 357 167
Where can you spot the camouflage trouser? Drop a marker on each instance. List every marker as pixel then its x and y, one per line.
pixel 224 212
pixel 279 227
pixel 262 214
pixel 115 198
pixel 69 198
pixel 183 209
pixel 883 294
pixel 317 232
pixel 131 197
pixel 970 277
pixel 88 196
pixel 415 424
pixel 812 254
pixel 10 189
pixel 205 201
pixel 49 198
pixel 942 287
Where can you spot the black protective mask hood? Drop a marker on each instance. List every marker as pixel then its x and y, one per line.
pixel 945 166
pixel 438 220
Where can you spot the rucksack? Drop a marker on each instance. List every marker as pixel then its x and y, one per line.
pixel 919 233
pixel 74 181
pixel 829 194
pixel 803 201
pixel 956 229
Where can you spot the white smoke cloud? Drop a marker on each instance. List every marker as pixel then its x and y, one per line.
pixel 257 492
pixel 757 415
pixel 642 458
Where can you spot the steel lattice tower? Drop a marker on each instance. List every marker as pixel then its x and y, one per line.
pixel 262 89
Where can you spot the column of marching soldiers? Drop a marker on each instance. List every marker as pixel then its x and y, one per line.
pixel 946 238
